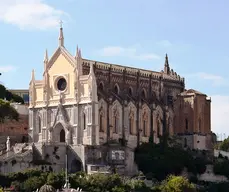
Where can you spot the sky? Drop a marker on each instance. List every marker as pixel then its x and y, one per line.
pixel 135 33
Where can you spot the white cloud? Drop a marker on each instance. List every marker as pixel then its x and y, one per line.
pixel 30 14
pixel 215 79
pixel 6 69
pixel 130 52
pixel 165 43
pixel 220 114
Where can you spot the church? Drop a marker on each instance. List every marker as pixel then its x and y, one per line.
pixel 91 115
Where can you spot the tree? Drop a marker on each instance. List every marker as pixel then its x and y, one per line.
pixel 224 146
pixel 162 160
pixel 17 99
pixel 32 184
pixel 176 184
pixel 2 91
pixel 7 111
pixel 56 180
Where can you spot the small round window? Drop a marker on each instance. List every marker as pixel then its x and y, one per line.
pixel 61 84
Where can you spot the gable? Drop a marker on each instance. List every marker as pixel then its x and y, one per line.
pixel 60 64
pixel 61 51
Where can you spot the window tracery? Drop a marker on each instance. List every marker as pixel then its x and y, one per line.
pixel 101 119
pixel 145 123
pixel 115 119
pixel 131 121
pixel 158 126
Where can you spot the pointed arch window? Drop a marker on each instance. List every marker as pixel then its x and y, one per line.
pixel 62 136
pixel 39 124
pixel 130 91
pixel 130 126
pixel 84 121
pixel 131 123
pixel 101 122
pixel 144 124
pixel 143 94
pixel 101 87
pixel 116 89
pixel 144 128
pixel 158 128
pixel 115 124
pixel 101 119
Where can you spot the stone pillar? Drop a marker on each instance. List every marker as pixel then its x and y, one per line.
pixel 68 137
pixel 50 135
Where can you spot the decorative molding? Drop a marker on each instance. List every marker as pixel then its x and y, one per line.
pixel 65 53
pixel 56 77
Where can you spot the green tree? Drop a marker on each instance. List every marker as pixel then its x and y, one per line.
pixel 221 167
pixel 7 111
pixel 17 99
pixel 177 184
pixel 224 146
pixel 32 184
pixel 56 180
pixel 9 96
pixel 162 160
pixel 13 97
pixel 2 91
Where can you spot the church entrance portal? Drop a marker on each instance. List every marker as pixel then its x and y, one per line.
pixel 62 136
pixel 59 133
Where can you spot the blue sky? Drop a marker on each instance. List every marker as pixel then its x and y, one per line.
pixel 131 32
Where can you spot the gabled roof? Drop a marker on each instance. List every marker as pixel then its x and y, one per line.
pixel 192 92
pixel 67 55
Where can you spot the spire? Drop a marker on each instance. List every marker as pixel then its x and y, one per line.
pixel 46 59
pixel 166 60
pixel 166 65
pixel 46 56
pixel 33 76
pixel 61 35
pixel 80 53
pixel 77 52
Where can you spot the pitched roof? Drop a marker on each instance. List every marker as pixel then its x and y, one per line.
pixel 192 92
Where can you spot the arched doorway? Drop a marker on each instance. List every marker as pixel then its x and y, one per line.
pixel 62 136
pixel 76 166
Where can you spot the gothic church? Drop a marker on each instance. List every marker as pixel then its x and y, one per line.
pixel 98 113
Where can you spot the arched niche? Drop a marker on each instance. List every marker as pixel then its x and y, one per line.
pixel 132 116
pixel 116 117
pixel 102 115
pixel 159 118
pixel 145 120
pixel 101 86
pixel 116 89
pixel 59 133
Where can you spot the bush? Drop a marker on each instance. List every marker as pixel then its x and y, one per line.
pixel 7 111
pixel 221 167
pixel 176 184
pixel 159 160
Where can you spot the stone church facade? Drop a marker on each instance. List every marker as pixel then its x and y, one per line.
pixel 98 113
